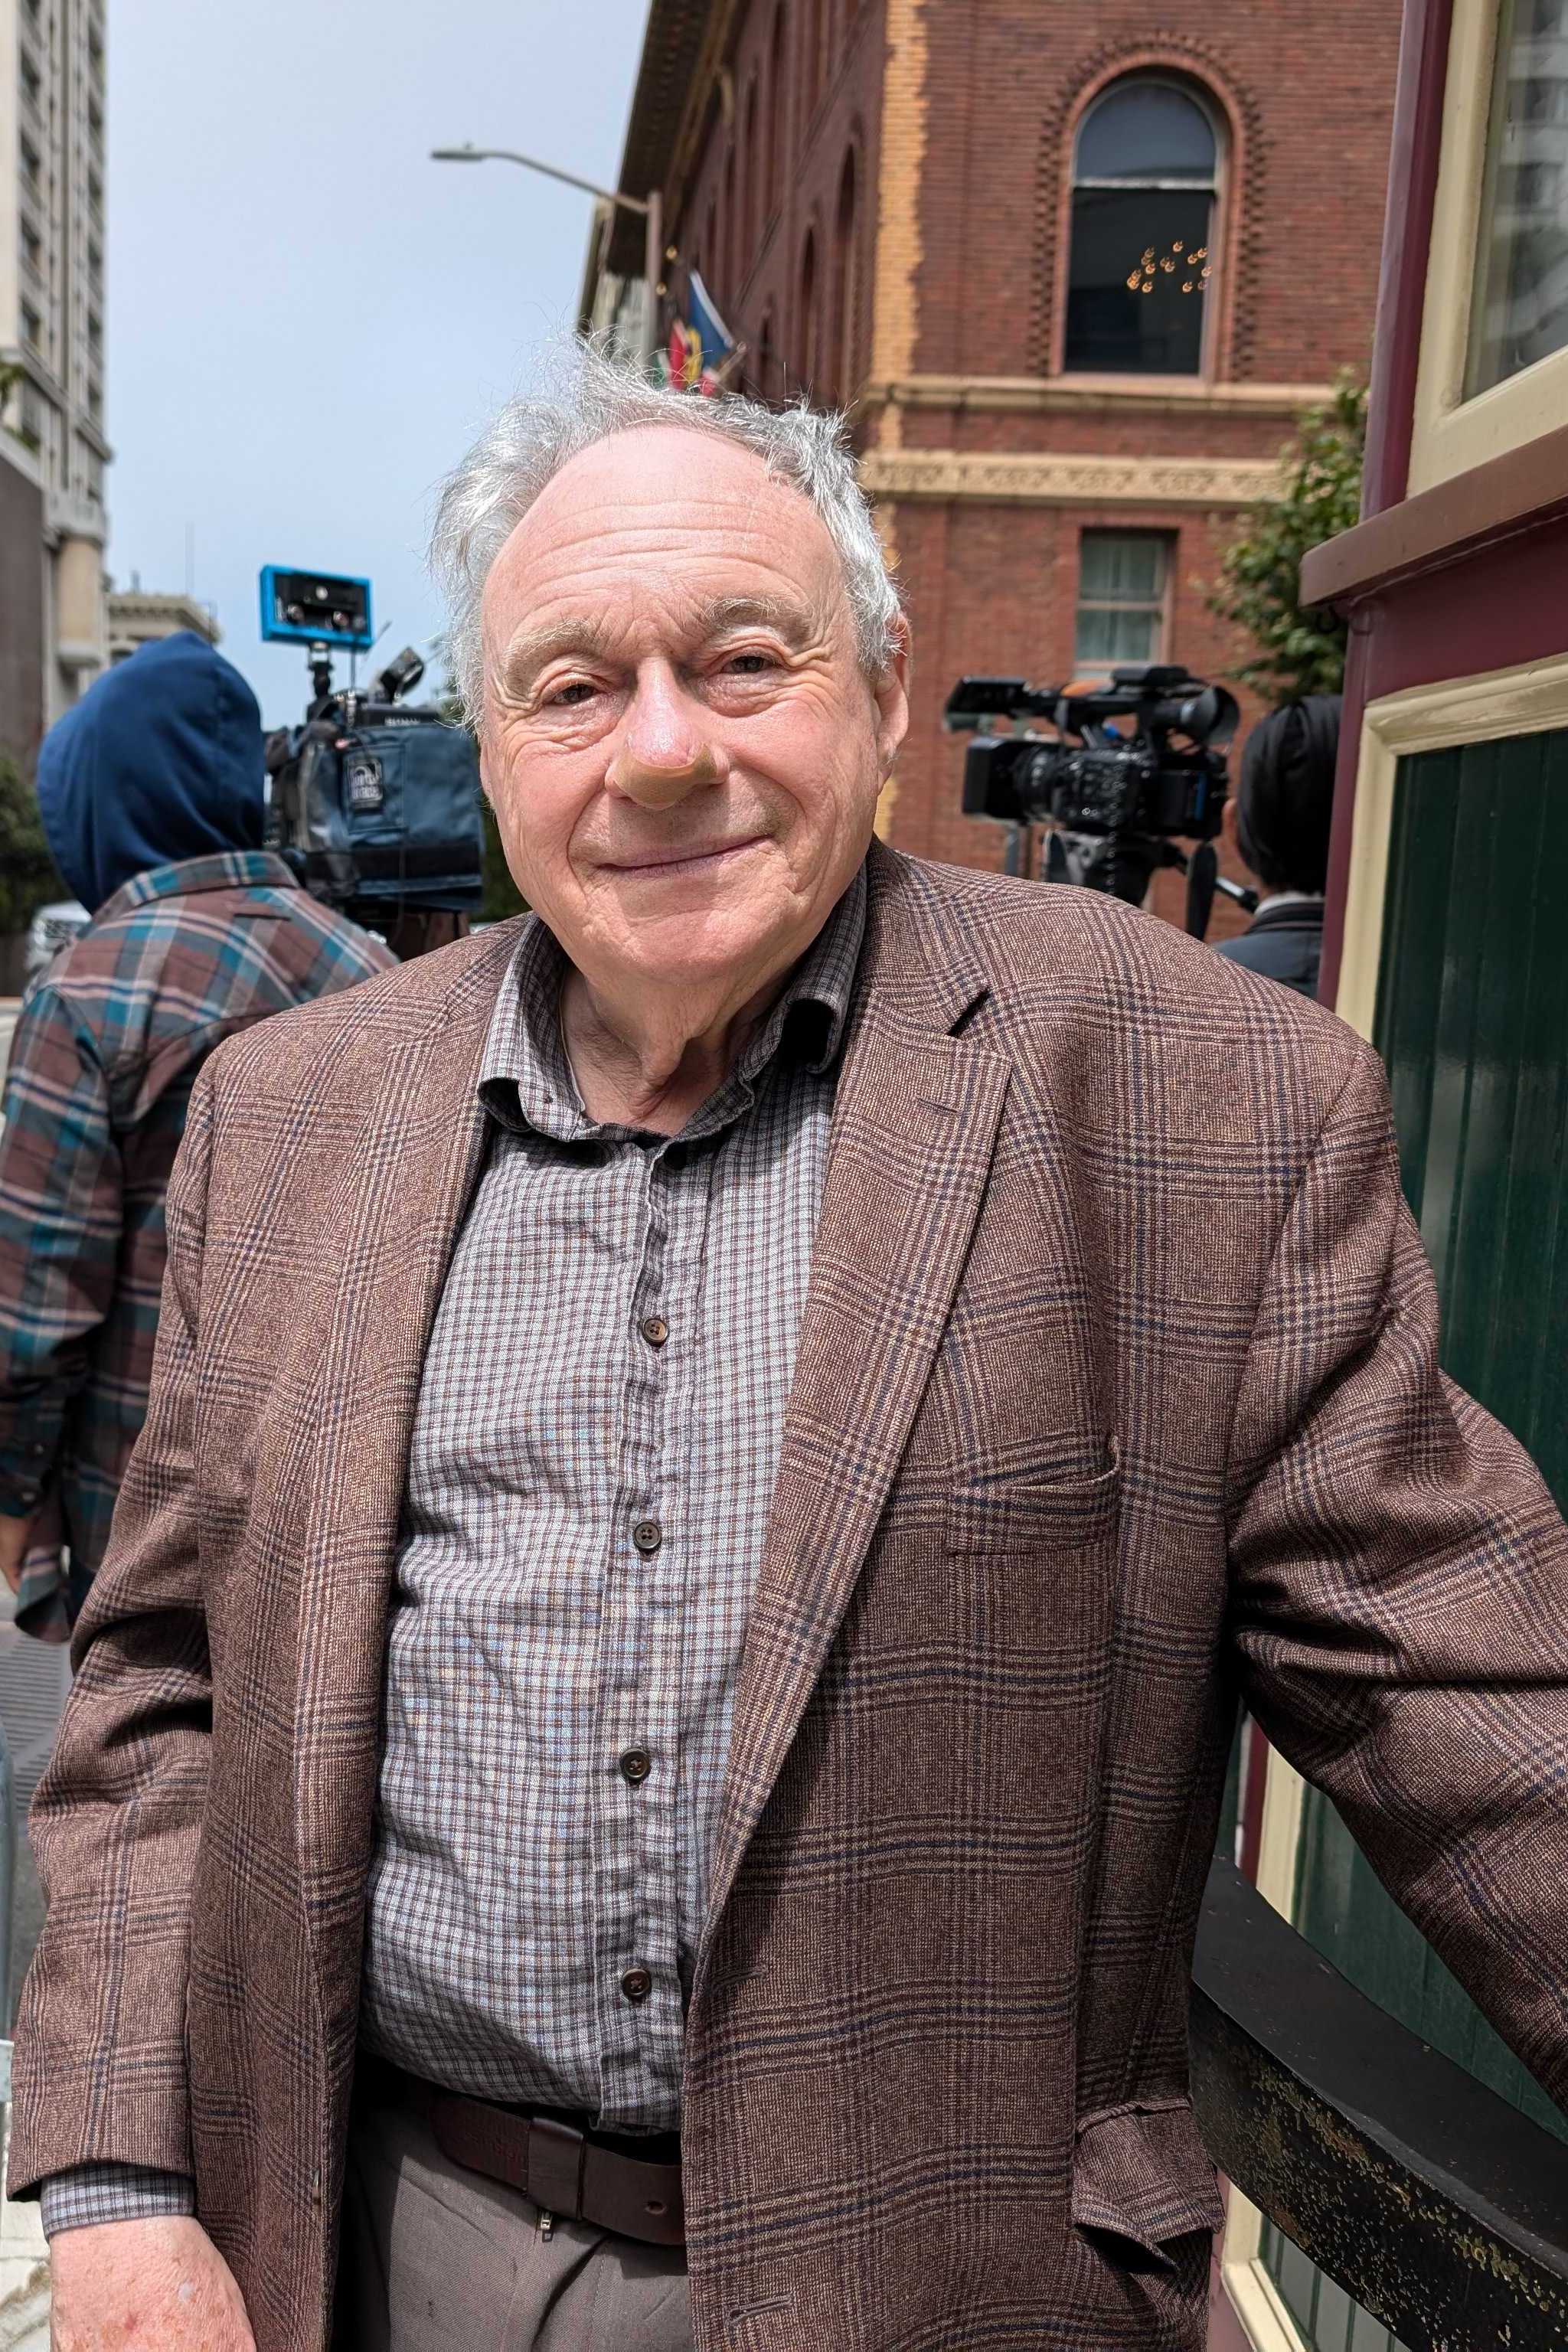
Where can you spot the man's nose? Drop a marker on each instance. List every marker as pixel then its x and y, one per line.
pixel 665 750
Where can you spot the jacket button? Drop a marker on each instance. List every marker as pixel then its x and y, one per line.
pixel 637 1764
pixel 636 1984
pixel 647 1535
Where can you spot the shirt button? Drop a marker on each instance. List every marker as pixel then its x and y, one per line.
pixel 635 1765
pixel 655 1330
pixel 647 1535
pixel 636 1984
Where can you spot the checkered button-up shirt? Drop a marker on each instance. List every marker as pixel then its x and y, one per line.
pixel 593 1455
pixel 599 1425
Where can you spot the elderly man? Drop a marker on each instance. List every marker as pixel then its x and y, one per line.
pixel 718 1459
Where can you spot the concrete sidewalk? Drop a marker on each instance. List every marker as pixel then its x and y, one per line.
pixel 33 1685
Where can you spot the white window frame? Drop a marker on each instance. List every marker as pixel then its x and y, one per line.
pixel 1452 434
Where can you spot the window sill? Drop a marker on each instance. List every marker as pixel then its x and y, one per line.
pixel 1040 394
pixel 1506 495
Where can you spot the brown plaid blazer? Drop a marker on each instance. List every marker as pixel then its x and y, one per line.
pixel 1117 1392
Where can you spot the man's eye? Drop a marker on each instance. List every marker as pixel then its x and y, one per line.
pixel 749 665
pixel 565 696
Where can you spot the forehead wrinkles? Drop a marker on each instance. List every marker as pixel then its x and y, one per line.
pixel 606 568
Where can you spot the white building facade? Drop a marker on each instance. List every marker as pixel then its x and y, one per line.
pixel 52 238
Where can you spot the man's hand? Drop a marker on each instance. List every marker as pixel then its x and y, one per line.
pixel 144 2286
pixel 15 1537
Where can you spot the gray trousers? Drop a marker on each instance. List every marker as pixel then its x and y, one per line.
pixel 436 2257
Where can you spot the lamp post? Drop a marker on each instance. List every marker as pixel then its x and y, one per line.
pixel 648 207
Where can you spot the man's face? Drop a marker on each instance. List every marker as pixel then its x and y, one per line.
pixel 682 749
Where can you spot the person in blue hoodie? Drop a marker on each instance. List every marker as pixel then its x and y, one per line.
pixel 151 792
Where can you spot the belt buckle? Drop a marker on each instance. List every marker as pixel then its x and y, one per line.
pixel 556 2155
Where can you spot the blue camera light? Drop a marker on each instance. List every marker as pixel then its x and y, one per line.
pixel 309 608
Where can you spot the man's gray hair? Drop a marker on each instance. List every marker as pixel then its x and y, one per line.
pixel 594 397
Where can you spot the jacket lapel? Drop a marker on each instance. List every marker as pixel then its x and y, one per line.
pixel 913 1128
pixel 422 1141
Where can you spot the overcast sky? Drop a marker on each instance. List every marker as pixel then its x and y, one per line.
pixel 308 321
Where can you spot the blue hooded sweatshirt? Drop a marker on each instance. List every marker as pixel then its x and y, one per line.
pixel 159 760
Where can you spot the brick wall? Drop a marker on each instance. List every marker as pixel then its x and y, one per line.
pixel 754 266
pixel 961 117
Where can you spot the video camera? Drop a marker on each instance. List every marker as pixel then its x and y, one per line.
pixel 376 803
pixel 1114 796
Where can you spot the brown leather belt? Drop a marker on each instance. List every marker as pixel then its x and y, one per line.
pixel 570 2172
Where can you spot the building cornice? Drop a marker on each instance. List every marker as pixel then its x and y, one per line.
pixel 1087 395
pixel 954 475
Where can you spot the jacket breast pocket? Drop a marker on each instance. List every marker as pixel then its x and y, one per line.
pixel 1035 1511
pixel 1031 1573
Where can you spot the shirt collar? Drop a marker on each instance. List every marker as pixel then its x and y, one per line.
pixel 227 869
pixel 525 1078
pixel 1289 899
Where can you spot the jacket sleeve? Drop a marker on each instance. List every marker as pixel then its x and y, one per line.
pixel 60 1191
pixel 100 2050
pixel 1400 1588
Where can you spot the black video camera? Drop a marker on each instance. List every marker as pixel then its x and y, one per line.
pixel 1115 796
pixel 376 803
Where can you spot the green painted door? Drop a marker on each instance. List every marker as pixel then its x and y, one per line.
pixel 1472 1022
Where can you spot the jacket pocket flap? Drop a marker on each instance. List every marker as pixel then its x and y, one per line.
pixel 1006 1512
pixel 1142 2174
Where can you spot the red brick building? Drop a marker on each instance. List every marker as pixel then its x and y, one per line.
pixel 1075 264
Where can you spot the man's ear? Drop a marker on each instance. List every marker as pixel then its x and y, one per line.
pixel 890 693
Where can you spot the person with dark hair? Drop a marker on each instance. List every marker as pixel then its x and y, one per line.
pixel 1278 825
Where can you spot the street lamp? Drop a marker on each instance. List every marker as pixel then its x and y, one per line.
pixel 649 207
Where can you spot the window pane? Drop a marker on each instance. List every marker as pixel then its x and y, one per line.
pixel 1121 565
pixel 1107 636
pixel 1139 272
pixel 1146 130
pixel 1521 273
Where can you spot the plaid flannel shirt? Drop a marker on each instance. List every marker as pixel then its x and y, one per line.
pixel 105 1051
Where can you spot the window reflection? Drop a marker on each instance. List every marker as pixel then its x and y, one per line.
pixel 1521 277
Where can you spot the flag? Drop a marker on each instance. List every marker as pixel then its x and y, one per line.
pixel 715 343
pixel 685 356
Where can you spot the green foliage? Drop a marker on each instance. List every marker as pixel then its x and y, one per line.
pixel 13 373
pixel 1300 650
pixel 28 876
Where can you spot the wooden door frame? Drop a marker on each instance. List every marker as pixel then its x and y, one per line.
pixel 1531 698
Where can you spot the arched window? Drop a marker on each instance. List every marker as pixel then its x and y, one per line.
pixel 807 325
pixel 813 60
pixel 750 222
pixel 1145 175
pixel 778 85
pixel 730 276
pixel 840 371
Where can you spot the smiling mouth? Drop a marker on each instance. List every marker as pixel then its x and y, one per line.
pixel 677 862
